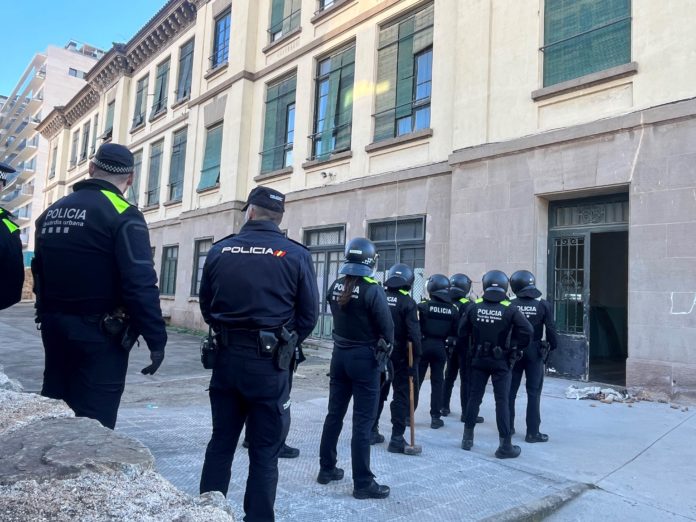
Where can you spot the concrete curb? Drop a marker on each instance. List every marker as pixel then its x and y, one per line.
pixel 543 507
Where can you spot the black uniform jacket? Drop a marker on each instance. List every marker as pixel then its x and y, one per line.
pixel 539 313
pixel 11 262
pixel 491 322
pixel 438 319
pixel 93 255
pixel 260 280
pixel 406 327
pixel 365 318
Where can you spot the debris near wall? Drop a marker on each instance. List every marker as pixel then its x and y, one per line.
pixel 597 393
pixel 56 467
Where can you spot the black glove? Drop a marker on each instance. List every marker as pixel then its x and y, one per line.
pixel 156 356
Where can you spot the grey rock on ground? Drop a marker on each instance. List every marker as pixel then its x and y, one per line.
pixel 9 384
pixel 19 409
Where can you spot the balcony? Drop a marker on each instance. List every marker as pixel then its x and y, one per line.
pixel 19 195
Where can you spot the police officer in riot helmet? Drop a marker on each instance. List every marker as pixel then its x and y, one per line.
pixel 363 335
pixel 11 259
pixel 489 322
pixel 459 358
pixel 259 294
pixel 438 319
pixel 539 313
pixel 96 289
pixel 404 312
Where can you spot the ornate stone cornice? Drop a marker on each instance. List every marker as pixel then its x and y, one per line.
pixel 81 104
pixel 53 123
pixel 109 69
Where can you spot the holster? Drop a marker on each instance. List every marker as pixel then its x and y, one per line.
pixel 117 325
pixel 544 350
pixel 382 352
pixel 209 350
pixel 286 342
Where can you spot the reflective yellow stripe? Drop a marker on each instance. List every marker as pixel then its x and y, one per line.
pixel 479 300
pixel 505 303
pixel 403 292
pixel 463 300
pixel 120 204
pixel 10 225
pixel 370 280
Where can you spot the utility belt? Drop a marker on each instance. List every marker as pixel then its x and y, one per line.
pixel 498 353
pixel 118 326
pixel 277 344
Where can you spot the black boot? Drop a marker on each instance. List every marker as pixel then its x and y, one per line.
pixel 327 475
pixel 436 422
pixel 396 444
pixel 479 420
pixel 376 438
pixel 536 437
pixel 468 440
pixel 286 452
pixel 374 490
pixel 507 450
pixel 445 411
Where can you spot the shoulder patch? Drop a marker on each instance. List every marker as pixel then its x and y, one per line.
pixel 404 292
pixel 505 303
pixel 120 204
pixel 479 300
pixel 463 300
pixel 226 237
pixel 370 280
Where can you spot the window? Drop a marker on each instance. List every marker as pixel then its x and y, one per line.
pixel 183 84
pixel 93 148
pixel 30 165
pixel 170 258
pixel 210 172
pixel 221 40
pixel 404 75
pixel 279 128
pixel 401 241
pixel 159 104
pixel 54 159
pixel 75 73
pixel 200 252
pixel 73 149
pixel 134 189
pixel 140 109
pixel 333 111
pixel 109 123
pixel 285 17
pixel 85 141
pixel 153 177
pixel 178 162
pixel 584 36
pixel 325 4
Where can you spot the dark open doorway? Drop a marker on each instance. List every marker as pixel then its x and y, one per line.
pixel 608 307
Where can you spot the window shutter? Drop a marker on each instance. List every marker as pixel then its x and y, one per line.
pixel 277 10
pixel 269 131
pixel 386 93
pixel 210 173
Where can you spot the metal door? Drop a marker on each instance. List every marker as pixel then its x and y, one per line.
pixel 569 281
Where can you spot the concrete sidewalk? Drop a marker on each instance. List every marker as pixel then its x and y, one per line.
pixel 639 458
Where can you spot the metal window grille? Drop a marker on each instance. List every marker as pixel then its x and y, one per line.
pixel 221 40
pixel 569 281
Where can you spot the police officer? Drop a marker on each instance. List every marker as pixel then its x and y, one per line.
pixel 96 289
pixel 459 360
pixel 259 294
pixel 363 334
pixel 11 261
pixel 489 321
pixel 539 313
pixel 438 323
pixel 406 329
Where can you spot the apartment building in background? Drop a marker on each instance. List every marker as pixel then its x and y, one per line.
pixel 459 135
pixel 51 78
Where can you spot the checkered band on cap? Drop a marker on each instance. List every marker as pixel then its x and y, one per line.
pixel 112 168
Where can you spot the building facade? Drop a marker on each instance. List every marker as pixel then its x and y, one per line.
pixel 459 135
pixel 51 78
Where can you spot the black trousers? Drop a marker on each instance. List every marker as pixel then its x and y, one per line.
pixel 501 375
pixel 354 373
pixel 385 381
pixel 399 405
pixel 83 366
pixel 533 367
pixel 457 363
pixel 247 388
pixel 434 356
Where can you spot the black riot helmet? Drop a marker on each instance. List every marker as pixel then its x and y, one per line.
pixel 438 286
pixel 495 286
pixel 361 257
pixel 460 286
pixel 523 283
pixel 399 276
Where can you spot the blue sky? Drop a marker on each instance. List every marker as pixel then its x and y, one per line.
pixel 28 27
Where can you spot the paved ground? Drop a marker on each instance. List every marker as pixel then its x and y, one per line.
pixel 639 458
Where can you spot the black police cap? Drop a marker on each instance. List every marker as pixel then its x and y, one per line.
pixel 114 159
pixel 267 198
